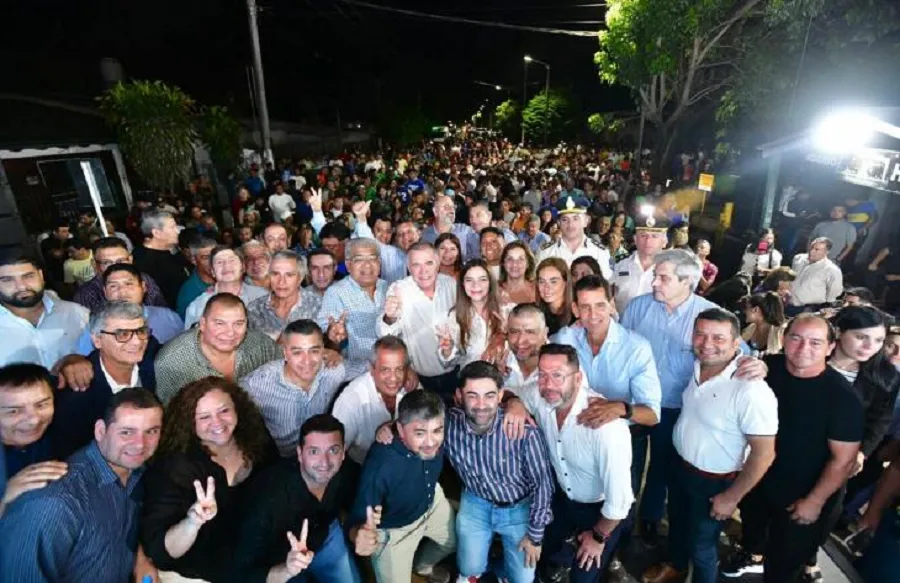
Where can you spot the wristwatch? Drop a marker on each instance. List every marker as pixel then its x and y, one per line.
pixel 599 536
pixel 629 410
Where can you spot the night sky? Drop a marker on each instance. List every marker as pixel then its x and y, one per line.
pixel 318 54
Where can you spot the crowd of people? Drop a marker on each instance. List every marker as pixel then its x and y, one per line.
pixel 457 362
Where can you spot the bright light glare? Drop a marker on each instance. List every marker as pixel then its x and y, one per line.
pixel 527 59
pixel 647 210
pixel 844 131
pixel 497 87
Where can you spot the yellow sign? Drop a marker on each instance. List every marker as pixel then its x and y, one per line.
pixel 706 182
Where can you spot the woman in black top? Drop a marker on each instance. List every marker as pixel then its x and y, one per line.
pixel 214 442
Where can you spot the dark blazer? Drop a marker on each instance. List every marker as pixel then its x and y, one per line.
pixel 76 412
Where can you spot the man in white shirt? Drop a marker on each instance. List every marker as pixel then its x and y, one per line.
pixel 633 276
pixel 413 307
pixel 592 467
pixel 819 281
pixel 526 333
pixel 720 418
pixel 574 242
pixel 35 325
pixel 281 204
pixel 371 400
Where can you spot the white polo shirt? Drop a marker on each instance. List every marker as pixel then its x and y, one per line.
pixel 55 335
pixel 591 465
pixel 516 382
pixel 587 247
pixel 362 411
pixel 631 280
pixel 718 415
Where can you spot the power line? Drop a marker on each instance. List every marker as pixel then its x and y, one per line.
pixel 580 33
pixel 527 8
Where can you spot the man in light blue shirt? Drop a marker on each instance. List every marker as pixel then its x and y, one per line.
pixel 393 257
pixel 618 363
pixel 35 325
pixel 665 318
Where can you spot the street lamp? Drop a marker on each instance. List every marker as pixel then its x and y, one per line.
pixel 528 60
pixel 849 129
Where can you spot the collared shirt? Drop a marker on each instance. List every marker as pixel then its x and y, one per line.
pixel 472 245
pixel 623 370
pixel 116 387
pixel 362 411
pixel 631 280
pixel 400 481
pixel 503 470
pixel 817 283
pixel 56 334
pixel 285 406
pixel 479 335
pixel 419 315
pixel 346 296
pixel 591 465
pixel 534 243
pixel 586 248
pixel 195 309
pixel 670 337
pixel 263 317
pixel 515 381
pixel 462 232
pixel 92 296
pixel 164 325
pixel 80 528
pixel 718 415
pixel 181 361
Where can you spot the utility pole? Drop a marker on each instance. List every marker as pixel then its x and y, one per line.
pixel 252 13
pixel 547 102
pixel 524 100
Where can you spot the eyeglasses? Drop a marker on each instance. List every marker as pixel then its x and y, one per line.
pixel 360 259
pixel 122 336
pixel 555 378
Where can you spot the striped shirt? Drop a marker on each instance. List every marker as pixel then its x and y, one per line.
pixel 501 470
pixel 285 406
pixel 362 311
pixel 393 259
pixel 264 319
pixel 80 528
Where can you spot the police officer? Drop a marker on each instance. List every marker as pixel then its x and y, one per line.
pixel 574 243
pixel 633 275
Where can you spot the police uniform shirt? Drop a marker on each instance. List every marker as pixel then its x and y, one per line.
pixel 631 280
pixel 587 247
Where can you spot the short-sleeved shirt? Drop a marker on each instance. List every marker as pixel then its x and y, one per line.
pixel 631 280
pixel 811 412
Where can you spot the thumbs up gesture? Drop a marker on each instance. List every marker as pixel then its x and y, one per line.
pixel 299 556
pixel 367 535
pixel 205 508
pixel 392 307
pixel 445 340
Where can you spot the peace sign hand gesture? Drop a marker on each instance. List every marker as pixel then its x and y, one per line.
pixel 205 508
pixel 315 200
pixel 299 556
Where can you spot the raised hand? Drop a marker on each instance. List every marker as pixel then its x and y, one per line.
pixel 315 200
pixel 445 340
pixel 299 556
pixel 392 307
pixel 367 535
pixel 361 208
pixel 205 508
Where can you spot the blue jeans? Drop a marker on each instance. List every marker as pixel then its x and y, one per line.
pixel 570 519
pixel 693 534
pixel 476 523
pixel 333 562
pixel 662 452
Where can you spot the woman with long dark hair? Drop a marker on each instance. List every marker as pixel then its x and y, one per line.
pixel 764 314
pixel 477 319
pixel 449 253
pixel 554 285
pixel 213 444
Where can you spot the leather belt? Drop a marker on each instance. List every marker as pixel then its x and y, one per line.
pixel 509 504
pixel 708 475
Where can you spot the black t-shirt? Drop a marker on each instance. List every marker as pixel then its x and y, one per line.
pixel 169 270
pixel 810 413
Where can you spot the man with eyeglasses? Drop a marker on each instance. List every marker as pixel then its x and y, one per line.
pixel 122 283
pixel 350 307
pixel 107 252
pixel 592 467
pixel 122 358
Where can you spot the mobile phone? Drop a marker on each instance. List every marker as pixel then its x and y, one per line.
pixel 763 247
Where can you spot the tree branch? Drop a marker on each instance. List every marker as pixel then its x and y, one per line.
pixel 707 91
pixel 725 26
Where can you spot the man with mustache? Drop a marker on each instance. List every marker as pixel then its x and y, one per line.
pixel 291 521
pixel 35 325
pixel 83 527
